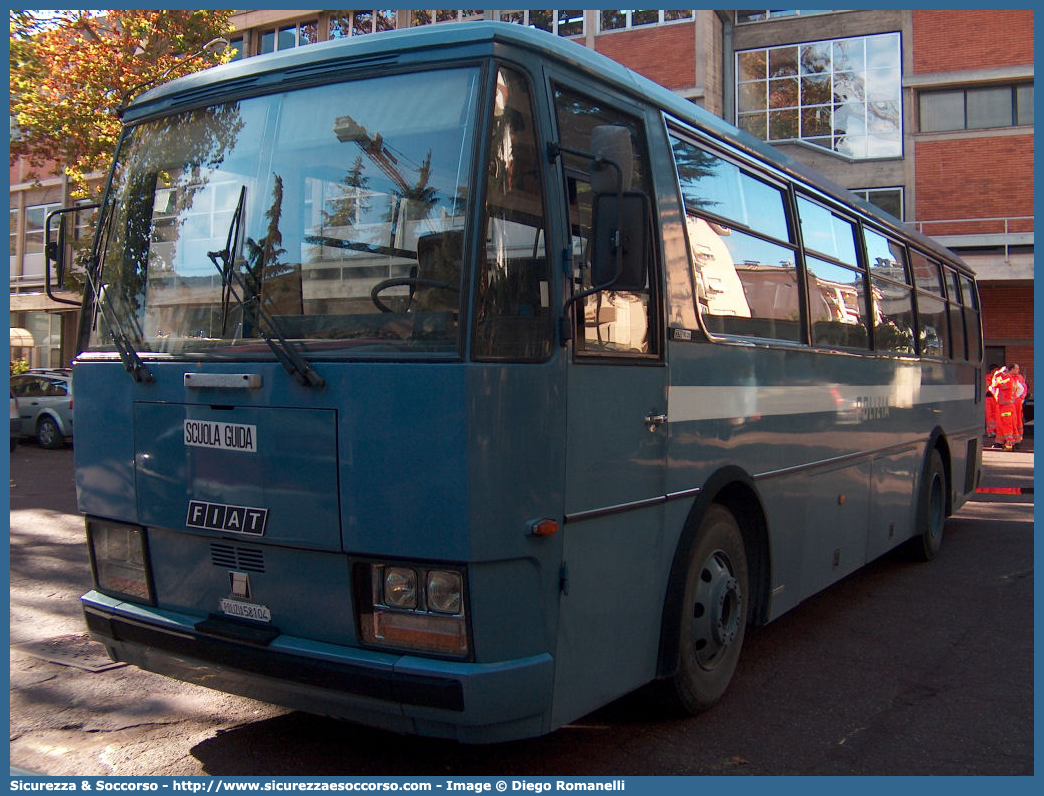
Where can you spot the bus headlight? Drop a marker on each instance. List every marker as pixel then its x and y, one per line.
pixel 119 559
pixel 412 608
pixel 445 592
pixel 400 587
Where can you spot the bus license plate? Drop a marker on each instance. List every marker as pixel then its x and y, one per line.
pixel 258 613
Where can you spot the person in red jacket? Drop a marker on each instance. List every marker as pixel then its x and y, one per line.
pixel 1004 388
pixel 991 403
pixel 1020 398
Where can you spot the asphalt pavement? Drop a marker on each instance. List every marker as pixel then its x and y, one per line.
pixel 900 668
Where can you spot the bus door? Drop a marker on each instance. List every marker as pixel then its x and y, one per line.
pixel 609 614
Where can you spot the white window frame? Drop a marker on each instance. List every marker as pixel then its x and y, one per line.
pixel 275 31
pixel 629 26
pixel 771 16
pixel 458 16
pixel 864 193
pixel 556 21
pixel 33 263
pixel 330 16
pixel 867 134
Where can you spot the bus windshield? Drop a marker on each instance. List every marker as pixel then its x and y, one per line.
pixel 332 217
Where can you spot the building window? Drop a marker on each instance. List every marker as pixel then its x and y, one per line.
pixel 428 17
pixel 46 330
pixel 289 36
pixel 33 261
pixel 359 23
pixel 236 46
pixel 844 95
pixel 615 19
pixel 84 223
pixel 976 108
pixel 570 23
pixel 27 264
pixel 14 233
pixel 888 199
pixel 746 17
pixel 562 23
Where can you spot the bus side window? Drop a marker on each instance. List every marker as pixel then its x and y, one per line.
pixel 743 260
pixel 972 319
pixel 513 318
pixel 953 290
pixel 891 294
pixel 610 321
pixel 933 326
pixel 837 305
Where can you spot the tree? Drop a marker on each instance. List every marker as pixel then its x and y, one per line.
pixel 72 70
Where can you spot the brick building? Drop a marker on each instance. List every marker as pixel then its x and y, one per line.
pixel 928 114
pixel 973 159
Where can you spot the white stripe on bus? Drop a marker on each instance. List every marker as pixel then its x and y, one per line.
pixel 720 403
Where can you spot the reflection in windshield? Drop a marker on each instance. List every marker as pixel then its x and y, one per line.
pixel 351 235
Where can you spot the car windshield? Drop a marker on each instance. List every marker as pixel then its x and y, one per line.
pixel 331 217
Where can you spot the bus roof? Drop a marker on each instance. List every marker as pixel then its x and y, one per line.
pixel 352 51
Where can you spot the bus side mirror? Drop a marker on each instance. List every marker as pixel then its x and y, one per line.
pixel 56 253
pixel 619 241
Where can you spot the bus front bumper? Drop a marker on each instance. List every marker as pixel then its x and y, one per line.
pixel 471 702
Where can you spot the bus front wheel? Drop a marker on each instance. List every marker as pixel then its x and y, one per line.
pixel 715 606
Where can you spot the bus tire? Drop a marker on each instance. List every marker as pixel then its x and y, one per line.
pixel 713 620
pixel 931 510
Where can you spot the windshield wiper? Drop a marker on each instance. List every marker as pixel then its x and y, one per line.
pixel 132 363
pixel 287 355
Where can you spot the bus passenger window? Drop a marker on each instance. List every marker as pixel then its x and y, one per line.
pixel 933 330
pixel 891 294
pixel 972 319
pixel 827 233
pixel 610 321
pixel 932 326
pixel 744 269
pixel 744 285
pixel 837 304
pixel 513 316
pixel 953 289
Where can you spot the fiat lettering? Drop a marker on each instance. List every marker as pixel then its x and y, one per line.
pixel 220 517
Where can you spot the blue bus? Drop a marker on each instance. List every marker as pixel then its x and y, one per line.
pixel 458 381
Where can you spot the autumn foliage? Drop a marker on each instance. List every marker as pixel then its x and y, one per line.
pixel 71 70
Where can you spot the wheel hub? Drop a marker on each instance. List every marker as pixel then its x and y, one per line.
pixel 718 610
pixel 727 601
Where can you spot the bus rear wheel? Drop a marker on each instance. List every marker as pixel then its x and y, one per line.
pixel 715 606
pixel 931 510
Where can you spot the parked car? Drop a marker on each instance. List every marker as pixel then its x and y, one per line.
pixel 45 401
pixel 16 423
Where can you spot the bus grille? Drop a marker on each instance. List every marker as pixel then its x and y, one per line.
pixel 229 556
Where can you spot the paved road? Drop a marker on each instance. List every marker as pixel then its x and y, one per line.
pixel 901 668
